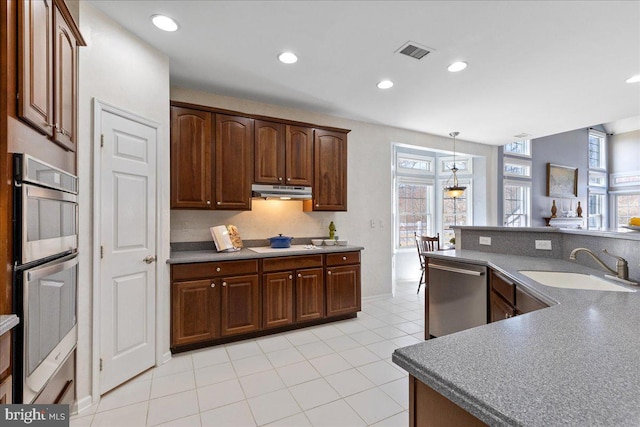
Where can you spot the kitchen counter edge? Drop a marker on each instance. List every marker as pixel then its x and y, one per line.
pixel 186 257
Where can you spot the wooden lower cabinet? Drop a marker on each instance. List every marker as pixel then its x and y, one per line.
pixel 5 391
pixel 219 302
pixel 428 408
pixel 6 384
pixel 240 305
pixel 310 294
pixel 508 299
pixel 195 311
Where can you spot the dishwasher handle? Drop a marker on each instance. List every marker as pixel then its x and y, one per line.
pixel 456 270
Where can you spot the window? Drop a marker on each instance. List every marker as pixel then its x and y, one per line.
pixel 597 153
pixel 597 179
pixel 596 210
pixel 414 164
pixel 627 206
pixel 517 203
pixel 517 167
pixel 518 148
pixel 456 211
pixel 464 165
pixel 414 210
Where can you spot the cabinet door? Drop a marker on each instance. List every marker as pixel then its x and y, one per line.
pixel 309 294
pixel 194 311
pixel 330 171
pixel 233 162
pixel 5 391
pixel 65 86
pixel 526 303
pixel 269 152
pixel 35 59
pixel 190 158
pixel 500 309
pixel 277 295
pixel 343 290
pixel 299 155
pixel 240 305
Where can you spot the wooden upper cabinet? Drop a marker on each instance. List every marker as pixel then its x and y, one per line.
pixel 269 152
pixel 330 171
pixel 233 162
pixel 48 71
pixel 35 63
pixel 283 154
pixel 299 155
pixel 65 93
pixel 191 158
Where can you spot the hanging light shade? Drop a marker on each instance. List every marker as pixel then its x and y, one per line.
pixel 454 190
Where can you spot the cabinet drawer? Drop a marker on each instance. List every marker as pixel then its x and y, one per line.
pixel 343 258
pixel 291 262
pixel 213 269
pixel 503 287
pixel 60 385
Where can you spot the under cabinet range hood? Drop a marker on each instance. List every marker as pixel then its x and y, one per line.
pixel 281 192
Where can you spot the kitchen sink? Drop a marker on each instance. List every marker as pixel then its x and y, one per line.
pixel 564 280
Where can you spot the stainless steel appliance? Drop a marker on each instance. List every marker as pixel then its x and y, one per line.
pixel 282 192
pixel 457 296
pixel 45 281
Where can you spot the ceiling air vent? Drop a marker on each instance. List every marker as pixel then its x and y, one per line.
pixel 414 50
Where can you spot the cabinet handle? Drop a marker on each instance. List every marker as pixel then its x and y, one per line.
pixel 507 315
pixel 213 285
pixel 208 202
pixel 224 283
pixel 279 178
pixel 218 269
pixel 329 272
pixel 299 275
pixel 344 258
pixel 288 179
pixel 290 277
pixel 219 203
pixel 317 205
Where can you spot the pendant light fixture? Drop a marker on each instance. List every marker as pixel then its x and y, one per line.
pixel 454 190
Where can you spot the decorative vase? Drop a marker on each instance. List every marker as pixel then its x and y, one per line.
pixel 554 209
pixel 579 210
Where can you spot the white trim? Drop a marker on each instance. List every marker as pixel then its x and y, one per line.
pixel 526 142
pixel 459 160
pixel 613 176
pixel 98 108
pixel 83 404
pixel 517 162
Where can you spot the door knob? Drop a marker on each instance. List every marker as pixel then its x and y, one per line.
pixel 150 259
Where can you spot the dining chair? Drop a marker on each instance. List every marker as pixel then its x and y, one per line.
pixel 425 244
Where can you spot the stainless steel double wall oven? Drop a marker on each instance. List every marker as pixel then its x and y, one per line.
pixel 45 216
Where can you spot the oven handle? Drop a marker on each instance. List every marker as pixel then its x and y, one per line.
pixel 52 268
pixel 456 270
pixel 46 193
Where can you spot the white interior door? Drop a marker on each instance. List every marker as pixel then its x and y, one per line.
pixel 128 249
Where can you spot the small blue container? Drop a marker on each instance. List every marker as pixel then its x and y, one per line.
pixel 280 241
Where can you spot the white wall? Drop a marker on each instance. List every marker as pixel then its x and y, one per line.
pixel 369 190
pixel 119 69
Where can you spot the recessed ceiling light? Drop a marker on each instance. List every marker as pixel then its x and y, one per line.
pixel 634 79
pixel 457 66
pixel 385 84
pixel 164 23
pixel 288 58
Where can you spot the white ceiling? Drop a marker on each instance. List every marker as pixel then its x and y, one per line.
pixel 536 67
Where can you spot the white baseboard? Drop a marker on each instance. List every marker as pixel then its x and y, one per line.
pixel 164 358
pixel 83 404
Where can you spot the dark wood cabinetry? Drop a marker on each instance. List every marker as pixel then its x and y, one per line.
pixel 343 283
pixel 508 299
pixel 5 369
pixel 233 160
pixel 283 154
pixel 48 70
pixel 191 158
pixel 213 300
pixel 218 302
pixel 240 305
pixel 330 172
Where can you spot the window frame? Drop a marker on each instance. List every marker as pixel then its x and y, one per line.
pixel 527 200
pixel 468 196
pixel 518 162
pixel 525 142
pixel 602 150
pixel 431 205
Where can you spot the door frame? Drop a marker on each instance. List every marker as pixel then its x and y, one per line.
pixel 99 107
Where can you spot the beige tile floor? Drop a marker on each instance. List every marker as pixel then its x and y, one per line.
pixel 338 374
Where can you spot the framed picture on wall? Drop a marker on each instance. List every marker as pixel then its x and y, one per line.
pixel 562 181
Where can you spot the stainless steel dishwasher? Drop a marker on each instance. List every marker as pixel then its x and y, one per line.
pixel 457 296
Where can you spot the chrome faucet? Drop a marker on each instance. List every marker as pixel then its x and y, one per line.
pixel 622 267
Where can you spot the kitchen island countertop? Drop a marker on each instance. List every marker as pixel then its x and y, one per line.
pixel 574 363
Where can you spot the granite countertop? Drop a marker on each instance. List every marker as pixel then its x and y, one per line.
pixel 574 363
pixel 208 255
pixel 8 322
